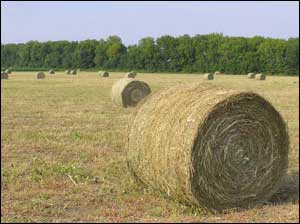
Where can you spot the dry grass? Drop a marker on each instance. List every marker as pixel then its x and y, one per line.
pixel 63 159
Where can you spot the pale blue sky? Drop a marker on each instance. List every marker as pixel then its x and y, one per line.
pixel 43 21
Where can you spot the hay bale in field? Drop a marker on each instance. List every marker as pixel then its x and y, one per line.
pixel 51 71
pixel 208 146
pixel 8 71
pixel 251 75
pixel 104 74
pixel 217 73
pixel 73 72
pixel 209 76
pixel 68 72
pixel 260 77
pixel 40 75
pixel 129 92
pixel 4 75
pixel 131 74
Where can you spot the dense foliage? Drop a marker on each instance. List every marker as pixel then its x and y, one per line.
pixel 200 53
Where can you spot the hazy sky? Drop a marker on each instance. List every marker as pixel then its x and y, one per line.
pixel 43 21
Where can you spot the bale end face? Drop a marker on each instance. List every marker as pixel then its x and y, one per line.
pixel 51 72
pixel 68 72
pixel 131 74
pixel 104 74
pixel 41 75
pixel 251 75
pixel 4 75
pixel 73 72
pixel 208 76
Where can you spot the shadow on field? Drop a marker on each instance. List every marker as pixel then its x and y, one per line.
pixel 289 191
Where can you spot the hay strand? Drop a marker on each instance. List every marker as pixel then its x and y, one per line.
pixel 207 146
pixel 260 77
pixel 128 92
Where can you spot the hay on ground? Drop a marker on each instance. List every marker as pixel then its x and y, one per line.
pixel 73 72
pixel 4 75
pixel 209 76
pixel 260 77
pixel 104 74
pixel 40 75
pixel 207 146
pixel 131 74
pixel 129 92
pixel 51 71
pixel 251 75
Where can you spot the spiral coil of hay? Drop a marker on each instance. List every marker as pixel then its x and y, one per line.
pixel 251 75
pixel 260 77
pixel 129 92
pixel 210 147
pixel 4 75
pixel 40 75
pixel 209 76
pixel 131 74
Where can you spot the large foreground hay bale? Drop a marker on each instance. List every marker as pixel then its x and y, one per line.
pixel 68 72
pixel 51 71
pixel 260 77
pixel 131 74
pixel 40 75
pixel 104 74
pixel 209 76
pixel 73 72
pixel 207 146
pixel 4 75
pixel 128 92
pixel 251 75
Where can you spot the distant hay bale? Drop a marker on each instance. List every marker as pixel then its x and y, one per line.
pixel 4 75
pixel 40 75
pixel 8 71
pixel 260 77
pixel 209 76
pixel 217 73
pixel 251 75
pixel 131 74
pixel 73 72
pixel 128 92
pixel 104 74
pixel 68 72
pixel 208 146
pixel 51 71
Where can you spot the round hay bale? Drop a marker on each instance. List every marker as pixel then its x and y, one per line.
pixel 104 74
pixel 217 73
pixel 68 72
pixel 260 77
pixel 129 92
pixel 251 75
pixel 208 146
pixel 51 71
pixel 40 75
pixel 131 74
pixel 4 75
pixel 73 72
pixel 209 76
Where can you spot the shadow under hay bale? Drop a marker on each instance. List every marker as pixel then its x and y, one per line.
pixel 40 75
pixel 209 76
pixel 251 75
pixel 128 92
pixel 260 77
pixel 131 74
pixel 4 75
pixel 207 146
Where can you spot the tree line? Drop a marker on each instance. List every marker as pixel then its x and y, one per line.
pixel 198 54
